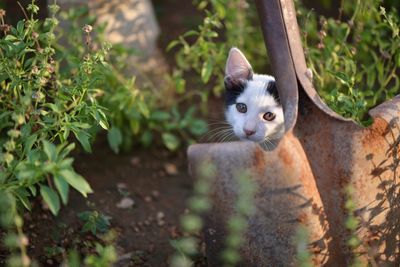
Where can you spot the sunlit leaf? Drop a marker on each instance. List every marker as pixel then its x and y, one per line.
pixel 170 141
pixel 76 181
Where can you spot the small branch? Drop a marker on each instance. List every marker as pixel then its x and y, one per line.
pixel 23 10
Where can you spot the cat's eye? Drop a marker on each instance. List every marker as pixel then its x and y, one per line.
pixel 242 108
pixel 269 116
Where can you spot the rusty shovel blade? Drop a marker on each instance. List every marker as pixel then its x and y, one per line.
pixel 302 181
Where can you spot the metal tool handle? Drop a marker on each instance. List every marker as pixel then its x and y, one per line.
pixel 283 43
pixel 276 42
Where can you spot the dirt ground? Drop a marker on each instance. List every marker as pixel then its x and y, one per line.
pixel 144 231
pixel 156 180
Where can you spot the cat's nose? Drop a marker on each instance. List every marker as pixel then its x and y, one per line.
pixel 249 132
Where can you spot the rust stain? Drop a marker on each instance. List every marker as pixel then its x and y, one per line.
pixel 302 217
pixel 372 135
pixel 259 160
pixel 285 156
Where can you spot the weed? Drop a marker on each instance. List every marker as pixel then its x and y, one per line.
pixel 94 222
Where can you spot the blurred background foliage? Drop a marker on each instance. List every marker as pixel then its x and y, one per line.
pixel 353 53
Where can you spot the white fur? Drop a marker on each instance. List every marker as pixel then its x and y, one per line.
pixel 258 102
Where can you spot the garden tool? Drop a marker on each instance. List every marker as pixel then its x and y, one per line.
pixel 302 182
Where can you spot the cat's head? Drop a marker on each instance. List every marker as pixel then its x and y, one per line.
pixel 253 108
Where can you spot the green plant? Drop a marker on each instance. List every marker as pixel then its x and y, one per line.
pixel 104 254
pixel 41 108
pixel 138 112
pixel 186 248
pixel 352 224
pixel 237 224
pixel 15 240
pixel 226 24
pixel 192 223
pixel 355 58
pixel 94 222
pixel 303 255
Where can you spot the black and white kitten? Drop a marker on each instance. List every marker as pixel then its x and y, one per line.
pixel 253 108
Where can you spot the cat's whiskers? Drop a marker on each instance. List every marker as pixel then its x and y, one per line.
pixel 219 131
pixel 224 136
pixel 229 137
pixel 214 136
pixel 270 143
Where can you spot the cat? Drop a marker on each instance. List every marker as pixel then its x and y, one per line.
pixel 253 108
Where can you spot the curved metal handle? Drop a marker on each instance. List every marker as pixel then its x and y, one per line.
pixel 276 42
pixel 283 43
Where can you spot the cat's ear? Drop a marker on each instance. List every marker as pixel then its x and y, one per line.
pixel 237 66
pixel 272 90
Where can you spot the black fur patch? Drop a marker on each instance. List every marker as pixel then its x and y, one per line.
pixel 234 87
pixel 271 88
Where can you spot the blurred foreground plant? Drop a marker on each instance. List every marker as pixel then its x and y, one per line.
pixel 200 203
pixel 187 247
pixel 303 255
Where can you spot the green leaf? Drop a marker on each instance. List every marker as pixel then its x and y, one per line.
pixel 160 115
pixel 206 71
pixel 50 150
pixel 66 132
pixel 64 151
pixel 23 195
pixel 103 124
pixel 76 181
pixel 198 127
pixel 190 33
pixel 172 45
pixel 114 137
pixel 20 26
pixel 170 141
pixel 28 143
pixel 62 188
pixel 101 118
pixel 33 190
pixel 144 109
pixel 50 198
pixel 146 138
pixel 25 170
pixel 83 138
pixel 341 76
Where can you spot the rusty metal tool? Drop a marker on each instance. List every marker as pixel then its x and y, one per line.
pixel 302 181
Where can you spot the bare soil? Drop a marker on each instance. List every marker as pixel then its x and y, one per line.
pixel 141 175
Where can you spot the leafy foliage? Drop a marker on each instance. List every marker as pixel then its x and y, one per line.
pixel 138 112
pixel 355 62
pixel 94 222
pixel 187 247
pixel 226 24
pixel 105 256
pixel 192 223
pixel 354 59
pixel 41 107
